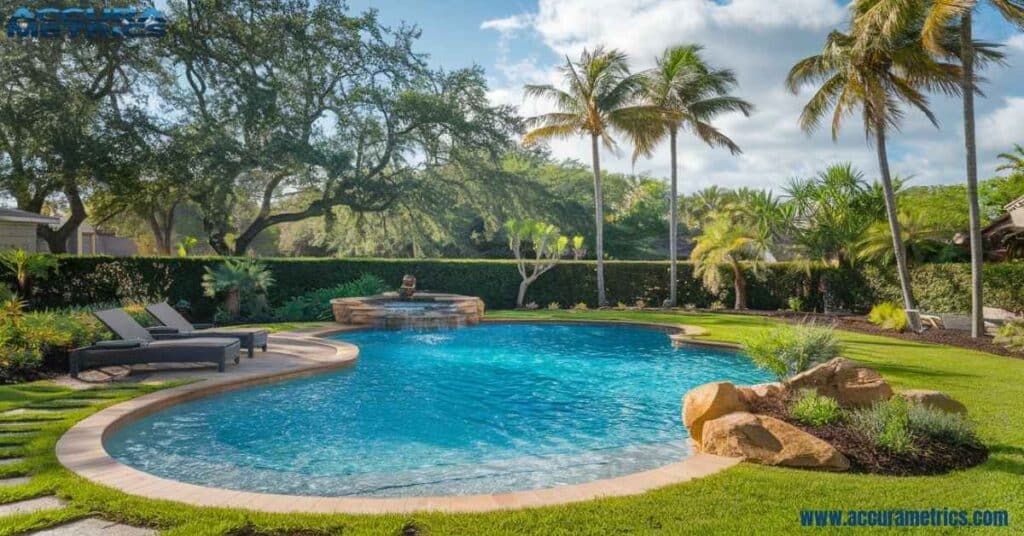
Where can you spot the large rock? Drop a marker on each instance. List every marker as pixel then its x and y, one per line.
pixel 709 401
pixel 767 440
pixel 850 384
pixel 935 400
pixel 754 395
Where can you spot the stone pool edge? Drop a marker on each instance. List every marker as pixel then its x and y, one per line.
pixel 81 450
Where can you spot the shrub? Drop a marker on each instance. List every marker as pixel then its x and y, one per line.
pixel 890 316
pixel 816 410
pixel 581 306
pixel 316 305
pixel 554 306
pixel 941 426
pixel 33 341
pixel 621 306
pixel 243 283
pixel 787 350
pixel 795 303
pixel 1011 335
pixel 887 424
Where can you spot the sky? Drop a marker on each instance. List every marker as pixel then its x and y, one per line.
pixel 524 41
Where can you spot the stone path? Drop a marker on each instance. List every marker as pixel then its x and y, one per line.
pixel 31 505
pixel 94 527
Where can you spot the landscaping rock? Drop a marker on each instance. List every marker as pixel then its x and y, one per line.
pixel 935 400
pixel 754 395
pixel 767 440
pixel 707 402
pixel 852 385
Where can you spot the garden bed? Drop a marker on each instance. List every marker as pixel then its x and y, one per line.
pixel 928 457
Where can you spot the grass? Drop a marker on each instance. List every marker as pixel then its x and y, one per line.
pixel 747 499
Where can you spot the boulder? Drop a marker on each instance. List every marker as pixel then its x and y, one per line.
pixel 754 395
pixel 767 440
pixel 852 385
pixel 935 400
pixel 709 401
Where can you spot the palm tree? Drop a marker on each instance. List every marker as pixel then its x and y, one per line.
pixel 600 101
pixel 886 18
pixel 689 94
pixel 727 239
pixel 1014 160
pixel 923 240
pixel 877 78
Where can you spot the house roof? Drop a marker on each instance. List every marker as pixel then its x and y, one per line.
pixel 18 215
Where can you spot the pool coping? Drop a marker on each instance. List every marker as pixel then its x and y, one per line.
pixel 81 450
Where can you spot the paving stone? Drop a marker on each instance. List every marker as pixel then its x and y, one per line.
pixel 33 411
pixel 14 481
pixel 31 505
pixel 94 527
pixel 11 461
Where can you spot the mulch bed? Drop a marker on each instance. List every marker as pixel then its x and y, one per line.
pixel 929 457
pixel 950 337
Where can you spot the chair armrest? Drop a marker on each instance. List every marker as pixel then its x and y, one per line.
pixel 161 330
pixel 202 326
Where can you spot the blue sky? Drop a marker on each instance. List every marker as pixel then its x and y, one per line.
pixel 522 42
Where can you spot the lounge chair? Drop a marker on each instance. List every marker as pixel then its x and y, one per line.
pixel 137 346
pixel 176 325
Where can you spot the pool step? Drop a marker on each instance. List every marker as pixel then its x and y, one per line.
pixel 93 526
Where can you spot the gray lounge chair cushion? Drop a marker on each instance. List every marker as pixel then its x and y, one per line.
pixel 121 343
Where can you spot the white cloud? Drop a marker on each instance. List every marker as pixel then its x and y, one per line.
pixel 760 41
pixel 508 24
pixel 1004 126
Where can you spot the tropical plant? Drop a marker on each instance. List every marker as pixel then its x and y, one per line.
pixel 1014 161
pixel 186 244
pixel 878 78
pixel 689 94
pixel 879 21
pixel 787 350
pixel 1011 335
pixel 316 304
pixel 923 240
pixel 243 283
pixel 599 102
pixel 548 246
pixel 727 240
pixel 26 266
pixel 890 316
pixel 815 410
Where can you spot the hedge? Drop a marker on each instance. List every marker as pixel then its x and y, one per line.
pixel 94 279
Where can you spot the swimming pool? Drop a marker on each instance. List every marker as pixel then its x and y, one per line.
pixel 486 409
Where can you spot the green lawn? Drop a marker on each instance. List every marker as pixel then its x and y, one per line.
pixel 747 499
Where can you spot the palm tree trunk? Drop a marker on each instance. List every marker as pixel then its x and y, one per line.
pixel 967 86
pixel 602 301
pixel 673 223
pixel 899 251
pixel 740 286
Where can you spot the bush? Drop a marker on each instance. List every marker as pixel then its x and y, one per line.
pixel 941 426
pixel 795 304
pixel 886 424
pixel 890 316
pixel 816 410
pixel 787 350
pixel 31 342
pixel 316 305
pixel 1011 335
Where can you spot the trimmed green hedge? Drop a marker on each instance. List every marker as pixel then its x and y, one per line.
pixel 86 280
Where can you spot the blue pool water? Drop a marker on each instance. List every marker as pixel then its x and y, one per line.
pixel 493 408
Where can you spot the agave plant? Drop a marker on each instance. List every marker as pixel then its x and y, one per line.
pixel 240 281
